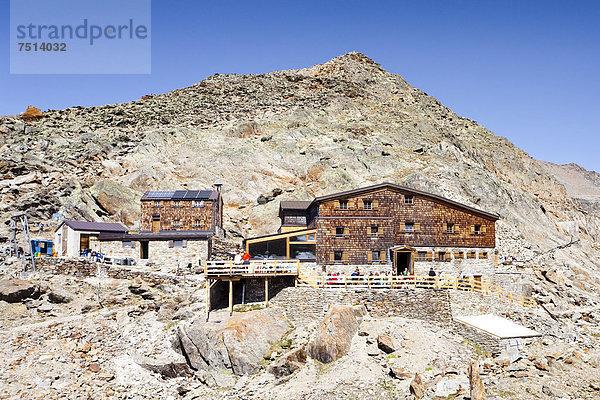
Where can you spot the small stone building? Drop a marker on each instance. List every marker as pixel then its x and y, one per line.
pixel 383 227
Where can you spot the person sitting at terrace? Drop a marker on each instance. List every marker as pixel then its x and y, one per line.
pixel 356 272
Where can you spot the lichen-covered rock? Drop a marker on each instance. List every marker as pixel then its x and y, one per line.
pixel 334 335
pixel 236 345
pixel 289 363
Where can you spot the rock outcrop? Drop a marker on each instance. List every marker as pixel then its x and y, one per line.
pixel 16 290
pixel 334 335
pixel 236 345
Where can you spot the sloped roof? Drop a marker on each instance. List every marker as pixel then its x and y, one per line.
pixel 405 189
pixel 180 195
pixel 94 226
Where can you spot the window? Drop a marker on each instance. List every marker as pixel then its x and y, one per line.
pixel 197 224
pixel 409 227
pixel 449 227
pixel 471 254
pixel 156 203
pixel 375 255
pixel 339 231
pixel 443 256
pixel 409 199
pixel 422 256
pixel 367 204
pixel 128 244
pixel 459 255
pixel 197 203
pixel 343 204
pixel 477 230
pixel 338 255
pixel 374 229
pixel 176 204
pixel 483 255
pixel 178 243
pixel 176 224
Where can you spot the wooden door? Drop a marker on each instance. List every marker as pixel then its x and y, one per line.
pixel 155 224
pixel 477 283
pixel 64 241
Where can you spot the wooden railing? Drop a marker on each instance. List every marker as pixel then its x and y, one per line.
pixel 253 268
pixel 416 282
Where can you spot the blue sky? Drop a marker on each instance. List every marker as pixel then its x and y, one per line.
pixel 526 70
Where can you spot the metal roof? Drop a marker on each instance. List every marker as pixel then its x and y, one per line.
pixel 164 235
pixel 180 195
pixel 294 204
pixel 94 226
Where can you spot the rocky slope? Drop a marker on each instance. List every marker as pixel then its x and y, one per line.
pixel 290 134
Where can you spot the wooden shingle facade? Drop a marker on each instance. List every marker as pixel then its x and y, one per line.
pixel 199 210
pixel 388 224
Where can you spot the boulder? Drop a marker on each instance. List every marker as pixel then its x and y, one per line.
pixel 16 290
pixel 398 372
pixel 32 114
pixel 236 345
pixel 554 276
pixel 475 383
pixel 288 363
pixel 386 343
pixel 417 389
pixel 168 367
pixel 334 335
pixel 117 200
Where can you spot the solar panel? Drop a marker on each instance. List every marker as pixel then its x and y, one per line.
pixel 204 194
pixel 191 194
pixel 179 194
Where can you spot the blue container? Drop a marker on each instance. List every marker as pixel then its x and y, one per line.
pixel 43 247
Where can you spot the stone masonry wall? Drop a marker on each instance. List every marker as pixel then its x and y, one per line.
pixel 305 305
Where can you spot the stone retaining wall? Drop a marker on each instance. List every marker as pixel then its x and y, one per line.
pixel 86 268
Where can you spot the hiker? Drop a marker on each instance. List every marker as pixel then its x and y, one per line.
pixel 431 276
pixel 246 258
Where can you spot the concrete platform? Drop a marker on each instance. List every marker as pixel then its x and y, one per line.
pixel 499 327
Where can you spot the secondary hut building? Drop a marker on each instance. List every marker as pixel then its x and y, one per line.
pixel 384 227
pixel 176 229
pixel 74 238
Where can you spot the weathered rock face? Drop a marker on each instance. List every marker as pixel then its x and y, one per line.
pixel 334 335
pixel 32 113
pixel 16 290
pixel 417 389
pixel 236 345
pixel 288 363
pixel 386 343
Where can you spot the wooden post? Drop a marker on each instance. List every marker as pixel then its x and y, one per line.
pixel 345 281
pixel 207 299
pixel 368 282
pixel 266 292
pixel 287 247
pixel 323 285
pixel 230 297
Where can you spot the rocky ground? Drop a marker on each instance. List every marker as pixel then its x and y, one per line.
pixel 145 340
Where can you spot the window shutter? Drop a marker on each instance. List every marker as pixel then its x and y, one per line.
pixel 382 256
pixel 336 204
pixel 447 256
pixel 331 256
pixel 351 204
pixel 361 205
pixel 134 245
pixel 417 227
pixel 184 243
pixel 344 256
pixel 375 204
pixel 472 229
pixel 402 226
pixel 369 256
pixel 482 229
pixel 456 229
pixel 429 255
pixel 171 244
pixel 332 231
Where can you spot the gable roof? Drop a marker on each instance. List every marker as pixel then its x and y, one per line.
pixel 180 195
pixel 93 226
pixel 387 185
